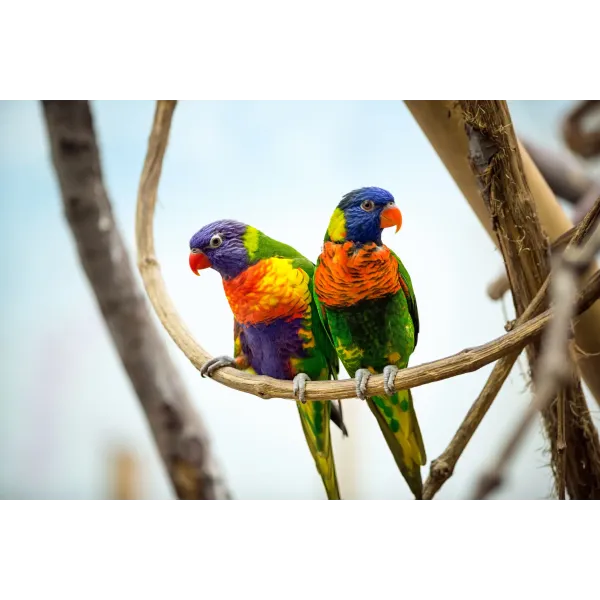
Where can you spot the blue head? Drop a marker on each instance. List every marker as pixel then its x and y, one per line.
pixel 362 215
pixel 220 245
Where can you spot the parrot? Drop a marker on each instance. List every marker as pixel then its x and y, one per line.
pixel 366 299
pixel 277 328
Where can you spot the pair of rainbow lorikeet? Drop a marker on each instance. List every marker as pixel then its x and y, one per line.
pixel 295 320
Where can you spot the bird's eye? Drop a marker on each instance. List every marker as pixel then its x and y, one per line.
pixel 215 241
pixel 367 205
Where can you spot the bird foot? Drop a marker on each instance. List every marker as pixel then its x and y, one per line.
pixel 389 374
pixel 362 378
pixel 209 367
pixel 300 386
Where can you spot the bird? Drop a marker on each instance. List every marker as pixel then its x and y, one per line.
pixel 277 328
pixel 366 298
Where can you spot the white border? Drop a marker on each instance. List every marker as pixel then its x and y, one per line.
pixel 296 549
pixel 297 50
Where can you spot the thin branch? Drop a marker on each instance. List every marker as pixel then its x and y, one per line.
pixel 442 122
pixel 561 444
pixel 554 365
pixel 497 162
pixel 442 468
pixel 586 202
pixel 499 286
pixel 178 432
pixel 565 176
pixel 125 475
pixel 581 141
pixel 266 387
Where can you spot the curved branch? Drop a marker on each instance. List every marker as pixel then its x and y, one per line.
pixel 442 467
pixel 266 387
pixel 497 288
pixel 555 367
pixel 579 138
pixel 566 176
pixel 179 433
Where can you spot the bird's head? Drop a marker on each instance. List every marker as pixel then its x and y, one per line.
pixel 221 245
pixel 362 215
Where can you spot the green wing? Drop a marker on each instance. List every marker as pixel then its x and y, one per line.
pixel 409 293
pixel 266 247
pixel 321 330
pixel 314 416
pixel 324 340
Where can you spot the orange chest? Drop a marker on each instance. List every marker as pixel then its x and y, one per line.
pixel 269 290
pixel 347 274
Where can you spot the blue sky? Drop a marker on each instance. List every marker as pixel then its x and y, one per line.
pixel 282 167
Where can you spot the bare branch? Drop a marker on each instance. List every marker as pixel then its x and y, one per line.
pixel 586 202
pixel 125 475
pixel 442 122
pixel 554 364
pixel 496 160
pixel 497 288
pixel 442 468
pixel 266 387
pixel 561 444
pixel 565 176
pixel 178 432
pixel 577 136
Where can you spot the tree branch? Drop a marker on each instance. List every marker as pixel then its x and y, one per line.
pixel 266 387
pixel 499 286
pixel 565 176
pixel 178 432
pixel 554 368
pixel 582 142
pixel 442 123
pixel 496 161
pixel 442 468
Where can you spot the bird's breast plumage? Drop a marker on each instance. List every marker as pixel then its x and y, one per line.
pixel 348 274
pixel 269 290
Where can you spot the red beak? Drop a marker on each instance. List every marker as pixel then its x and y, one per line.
pixel 198 261
pixel 391 216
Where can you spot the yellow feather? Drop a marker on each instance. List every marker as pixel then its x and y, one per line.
pixel 337 226
pixel 251 242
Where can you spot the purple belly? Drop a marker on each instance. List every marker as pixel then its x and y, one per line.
pixel 269 347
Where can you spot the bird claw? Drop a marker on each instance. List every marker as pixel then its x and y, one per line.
pixel 362 378
pixel 389 374
pixel 209 367
pixel 300 386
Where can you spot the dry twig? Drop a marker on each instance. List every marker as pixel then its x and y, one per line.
pixel 442 468
pixel 554 365
pixel 266 387
pixel 179 434
pixel 499 286
pixel 582 142
pixel 496 161
pixel 442 122
pixel 565 176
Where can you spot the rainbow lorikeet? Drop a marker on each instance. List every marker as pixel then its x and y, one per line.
pixel 277 328
pixel 367 300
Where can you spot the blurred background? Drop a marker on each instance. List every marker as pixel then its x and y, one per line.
pixel 70 424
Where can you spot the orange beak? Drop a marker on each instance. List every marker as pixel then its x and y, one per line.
pixel 391 216
pixel 198 261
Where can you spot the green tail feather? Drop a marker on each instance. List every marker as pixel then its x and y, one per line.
pixel 398 423
pixel 314 417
